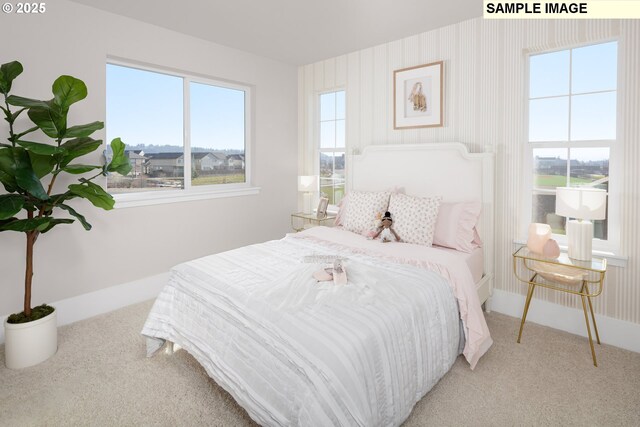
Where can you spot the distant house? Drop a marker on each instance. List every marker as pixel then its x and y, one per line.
pixel 221 160
pixel 236 161
pixel 137 160
pixel 553 165
pixel 171 164
pixel 207 161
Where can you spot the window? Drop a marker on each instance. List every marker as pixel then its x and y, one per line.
pixel 572 128
pixel 331 146
pixel 181 133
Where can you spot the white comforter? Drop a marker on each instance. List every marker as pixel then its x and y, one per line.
pixel 292 352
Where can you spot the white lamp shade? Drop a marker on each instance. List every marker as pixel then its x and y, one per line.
pixel 581 202
pixel 308 183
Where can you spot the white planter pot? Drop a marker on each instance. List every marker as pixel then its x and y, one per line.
pixel 27 344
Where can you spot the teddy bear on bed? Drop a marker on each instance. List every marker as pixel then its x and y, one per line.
pixel 386 231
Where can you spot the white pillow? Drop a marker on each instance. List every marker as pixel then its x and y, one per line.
pixel 361 209
pixel 414 218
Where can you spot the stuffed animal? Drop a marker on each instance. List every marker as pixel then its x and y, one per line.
pixel 386 231
pixel 375 226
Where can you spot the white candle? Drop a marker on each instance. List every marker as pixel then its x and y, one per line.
pixel 538 236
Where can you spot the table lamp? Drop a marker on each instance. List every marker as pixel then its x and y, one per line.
pixel 309 185
pixel 583 204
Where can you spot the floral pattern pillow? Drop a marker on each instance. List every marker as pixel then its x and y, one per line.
pixel 414 218
pixel 362 208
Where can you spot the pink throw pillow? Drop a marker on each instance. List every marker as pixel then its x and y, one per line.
pixel 456 226
pixel 342 208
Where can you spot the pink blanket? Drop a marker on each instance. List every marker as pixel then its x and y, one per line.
pixel 454 269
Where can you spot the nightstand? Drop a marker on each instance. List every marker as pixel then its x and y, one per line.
pixel 300 221
pixel 562 274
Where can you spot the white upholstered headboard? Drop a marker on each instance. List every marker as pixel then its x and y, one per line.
pixel 440 169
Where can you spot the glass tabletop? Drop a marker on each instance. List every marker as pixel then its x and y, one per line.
pixel 312 216
pixel 595 264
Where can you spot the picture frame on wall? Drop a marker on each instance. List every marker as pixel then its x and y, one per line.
pixel 321 212
pixel 418 96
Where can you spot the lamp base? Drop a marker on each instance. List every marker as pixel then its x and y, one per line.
pixel 306 203
pixel 580 238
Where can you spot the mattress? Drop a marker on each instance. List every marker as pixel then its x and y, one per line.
pixel 295 352
pixel 474 260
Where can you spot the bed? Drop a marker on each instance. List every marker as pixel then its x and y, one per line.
pixel 292 351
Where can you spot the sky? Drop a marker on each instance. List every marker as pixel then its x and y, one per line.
pixel 588 74
pixel 145 107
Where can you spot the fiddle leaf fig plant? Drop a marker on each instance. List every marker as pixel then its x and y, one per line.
pixel 29 169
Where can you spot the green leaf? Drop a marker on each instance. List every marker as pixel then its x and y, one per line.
pixel 56 221
pixel 10 204
pixel 58 199
pixel 7 170
pixel 15 115
pixel 8 73
pixel 42 164
pixel 81 131
pixel 93 193
pixel 68 90
pixel 26 177
pixel 21 134
pixel 80 217
pixel 20 101
pixel 52 120
pixel 38 148
pixel 17 170
pixel 27 224
pixel 119 161
pixel 79 147
pixel 3 222
pixel 79 169
pixel 8 182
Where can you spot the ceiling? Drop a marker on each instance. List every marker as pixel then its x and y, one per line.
pixel 296 31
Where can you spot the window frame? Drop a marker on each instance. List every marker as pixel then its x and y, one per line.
pixel 317 143
pixel 189 192
pixel 612 244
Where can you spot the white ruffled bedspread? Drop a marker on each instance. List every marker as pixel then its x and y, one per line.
pixel 295 352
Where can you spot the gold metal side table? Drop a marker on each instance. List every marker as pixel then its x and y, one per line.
pixel 562 274
pixel 299 220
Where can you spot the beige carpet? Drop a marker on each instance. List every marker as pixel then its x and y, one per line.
pixel 100 377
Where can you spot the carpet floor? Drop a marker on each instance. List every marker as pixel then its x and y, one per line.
pixel 100 376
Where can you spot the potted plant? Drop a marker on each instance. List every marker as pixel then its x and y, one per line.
pixel 31 205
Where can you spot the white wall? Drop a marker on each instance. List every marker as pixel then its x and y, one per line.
pixel 485 65
pixel 130 244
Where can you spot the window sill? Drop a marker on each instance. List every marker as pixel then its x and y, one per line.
pixel 613 259
pixel 130 200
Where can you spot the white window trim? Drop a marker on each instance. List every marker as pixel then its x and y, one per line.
pixel 316 135
pixel 147 198
pixel 609 248
pixel 189 193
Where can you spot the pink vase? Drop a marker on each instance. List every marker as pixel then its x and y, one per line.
pixel 551 249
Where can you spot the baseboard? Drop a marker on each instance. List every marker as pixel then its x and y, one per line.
pixel 105 300
pixel 615 332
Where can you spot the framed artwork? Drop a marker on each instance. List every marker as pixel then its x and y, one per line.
pixel 417 94
pixel 322 208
